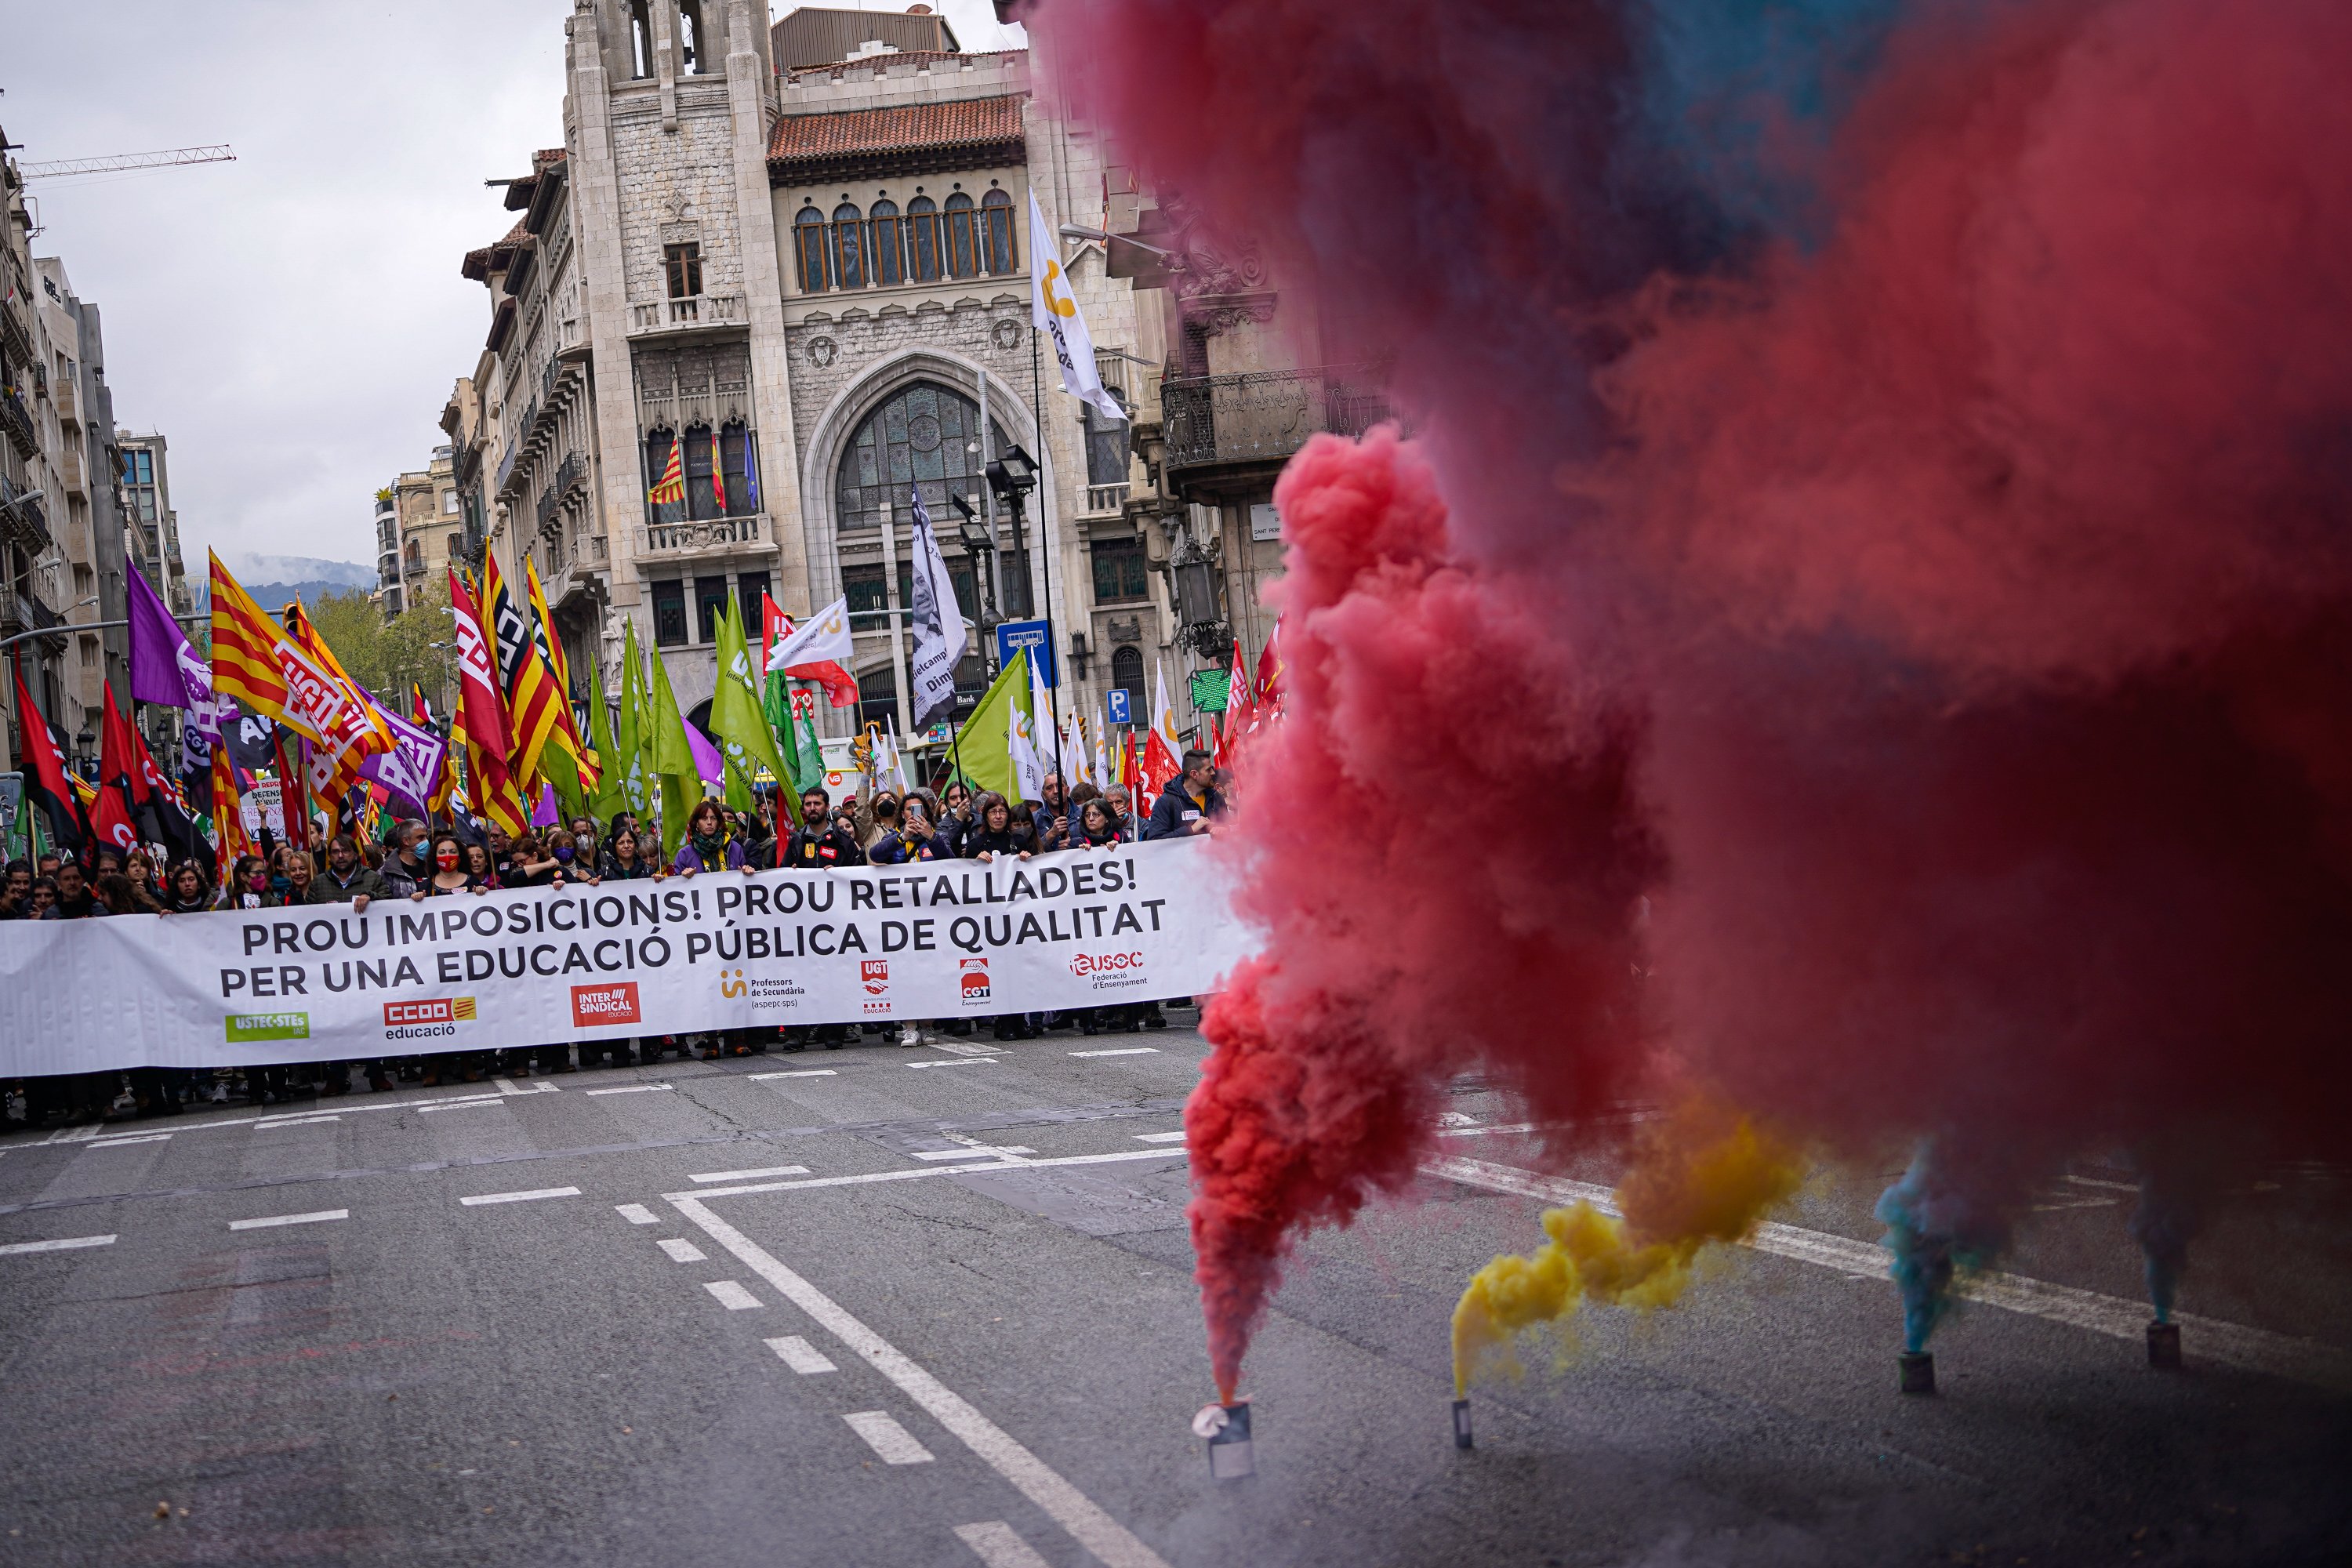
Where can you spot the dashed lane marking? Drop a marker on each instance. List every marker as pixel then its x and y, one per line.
pixel 317 1217
pixel 750 1176
pixel 681 1251
pixel 637 1213
pixel 976 1152
pixel 800 1355
pixel 998 1545
pixel 634 1088
pixel 521 1197
pixel 1110 1541
pixel 958 1062
pixel 1175 1137
pixel 732 1295
pixel 894 1442
pixel 135 1138
pixel 76 1135
pixel 1122 1051
pixel 64 1244
pixel 474 1102
pixel 917 1172
pixel 797 1072
pixel 297 1121
pixel 538 1086
pixel 2232 1344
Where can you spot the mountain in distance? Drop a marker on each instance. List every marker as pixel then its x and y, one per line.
pixel 273 580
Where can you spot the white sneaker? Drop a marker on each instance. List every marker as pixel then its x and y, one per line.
pixel 911 1036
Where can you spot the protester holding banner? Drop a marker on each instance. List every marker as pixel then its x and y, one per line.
pixel 347 880
pixel 190 894
pixel 708 846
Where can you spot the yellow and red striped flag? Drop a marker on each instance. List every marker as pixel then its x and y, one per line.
pixel 536 711
pixel 718 475
pixel 284 677
pixel 670 490
pixel 551 649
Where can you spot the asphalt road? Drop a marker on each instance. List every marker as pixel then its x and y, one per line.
pixel 729 1313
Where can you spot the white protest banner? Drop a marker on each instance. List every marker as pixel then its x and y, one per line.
pixel 1129 922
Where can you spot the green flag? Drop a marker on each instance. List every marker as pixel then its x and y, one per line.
pixel 741 725
pixel 612 796
pixel 673 760
pixel 808 758
pixel 630 757
pixel 980 752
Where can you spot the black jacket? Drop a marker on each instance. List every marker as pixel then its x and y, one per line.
pixel 1005 840
pixel 821 849
pixel 1175 811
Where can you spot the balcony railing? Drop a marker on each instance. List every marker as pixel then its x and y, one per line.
pixel 705 534
pixel 21 517
pixel 1264 415
pixel 569 564
pixel 570 472
pixel 1106 500
pixel 693 311
pixel 17 420
pixel 505 468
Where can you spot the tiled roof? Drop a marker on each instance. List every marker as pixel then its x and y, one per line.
pixel 961 124
pixel 479 263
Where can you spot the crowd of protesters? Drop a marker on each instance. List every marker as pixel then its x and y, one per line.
pixel 412 860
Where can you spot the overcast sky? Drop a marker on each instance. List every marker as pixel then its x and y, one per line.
pixel 291 322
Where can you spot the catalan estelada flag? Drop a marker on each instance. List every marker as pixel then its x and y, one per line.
pixel 536 711
pixel 670 489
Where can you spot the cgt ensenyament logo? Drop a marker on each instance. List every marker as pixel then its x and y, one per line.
pixel 972 983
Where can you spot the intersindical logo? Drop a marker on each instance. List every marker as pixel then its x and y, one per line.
pixel 595 1006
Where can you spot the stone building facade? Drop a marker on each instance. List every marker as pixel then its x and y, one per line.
pixel 804 283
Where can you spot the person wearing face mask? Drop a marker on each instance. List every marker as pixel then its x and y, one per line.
pixel 248 886
pixel 409 862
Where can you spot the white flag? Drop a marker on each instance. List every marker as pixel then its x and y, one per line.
pixel 1040 706
pixel 1081 772
pixel 938 625
pixel 1021 742
pixel 1102 751
pixel 822 638
pixel 1053 308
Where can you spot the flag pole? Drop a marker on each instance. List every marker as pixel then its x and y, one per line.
pixel 1045 565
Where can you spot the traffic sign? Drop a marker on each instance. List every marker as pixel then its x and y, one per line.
pixel 1032 637
pixel 1117 698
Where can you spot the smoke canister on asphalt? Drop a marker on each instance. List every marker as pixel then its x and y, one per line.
pixel 1462 1425
pixel 1227 1429
pixel 1918 1372
pixel 2164 1345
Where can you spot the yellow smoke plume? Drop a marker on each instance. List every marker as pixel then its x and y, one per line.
pixel 1701 1175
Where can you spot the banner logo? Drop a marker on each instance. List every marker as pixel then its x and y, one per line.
pixel 245 1027
pixel 731 983
pixel 595 1007
pixel 973 982
pixel 875 974
pixel 1086 963
pixel 430 1010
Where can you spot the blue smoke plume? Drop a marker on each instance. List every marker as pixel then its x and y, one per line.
pixel 1936 1230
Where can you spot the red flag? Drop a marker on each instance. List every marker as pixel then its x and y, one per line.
pixel 115 823
pixel 1269 694
pixel 162 811
pixel 45 774
pixel 1238 713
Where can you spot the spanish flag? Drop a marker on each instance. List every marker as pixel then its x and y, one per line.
pixel 671 489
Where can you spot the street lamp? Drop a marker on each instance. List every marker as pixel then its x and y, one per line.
pixel 981 550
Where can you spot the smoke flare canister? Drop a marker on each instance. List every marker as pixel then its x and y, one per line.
pixel 1462 1424
pixel 2164 1346
pixel 1918 1372
pixel 1227 1428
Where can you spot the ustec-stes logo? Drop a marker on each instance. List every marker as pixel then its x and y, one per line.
pixel 596 1005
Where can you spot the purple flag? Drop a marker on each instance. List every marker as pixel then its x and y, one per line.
pixel 410 769
pixel 707 764
pixel 547 813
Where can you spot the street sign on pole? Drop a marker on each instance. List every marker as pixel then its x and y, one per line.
pixel 1117 698
pixel 1033 638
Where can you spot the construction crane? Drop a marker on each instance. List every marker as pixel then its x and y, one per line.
pixel 59 168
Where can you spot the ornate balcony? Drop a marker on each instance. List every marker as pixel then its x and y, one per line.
pixel 707 536
pixel 695 311
pixel 21 517
pixel 1105 501
pixel 17 421
pixel 1263 416
pixel 569 567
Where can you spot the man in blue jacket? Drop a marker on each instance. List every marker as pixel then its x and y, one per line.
pixel 1190 804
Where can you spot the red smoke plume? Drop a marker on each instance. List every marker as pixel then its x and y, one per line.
pixel 1929 581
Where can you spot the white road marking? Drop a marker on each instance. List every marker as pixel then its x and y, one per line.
pixel 732 1295
pixel 959 1049
pixel 312 1218
pixel 1476 1132
pixel 635 1089
pixel 1122 1051
pixel 750 1176
pixel 957 1062
pixel 138 1138
pixel 681 1251
pixel 2232 1344
pixel 76 1135
pixel 917 1172
pixel 1110 1541
pixel 475 1103
pixel 801 1072
pixel 540 1086
pixel 1175 1137
pixel 294 1121
pixel 894 1442
pixel 976 1152
pixel 521 1197
pixel 800 1355
pixel 2076 1204
pixel 2111 1186
pixel 637 1213
pixel 65 1244
pixel 998 1545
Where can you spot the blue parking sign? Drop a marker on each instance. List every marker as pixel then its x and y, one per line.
pixel 1117 698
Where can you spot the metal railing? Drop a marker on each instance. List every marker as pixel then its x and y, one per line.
pixel 548 499
pixel 570 472
pixel 1264 415
pixel 17 420
pixel 21 517
pixel 692 310
pixel 704 533
pixel 1106 500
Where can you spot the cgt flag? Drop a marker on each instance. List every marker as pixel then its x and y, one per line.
pixel 46 784
pixel 482 715
pixel 120 790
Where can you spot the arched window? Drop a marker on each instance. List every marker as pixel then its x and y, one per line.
pixel 1126 674
pixel 996 233
pixel 963 243
pixel 641 39
pixel 923 239
pixel 927 435
pixel 808 246
pixel 659 444
pixel 1107 441
pixel 701 496
pixel 690 35
pixel 888 268
pixel 734 470
pixel 848 248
